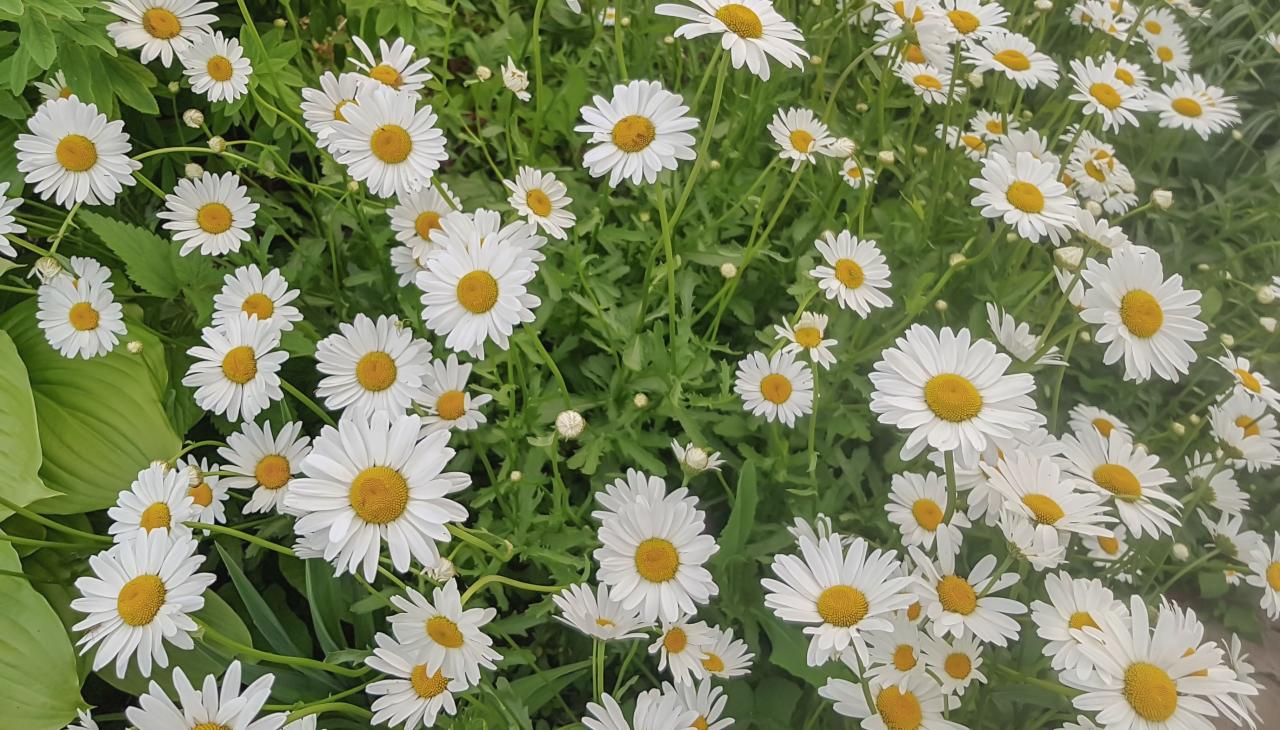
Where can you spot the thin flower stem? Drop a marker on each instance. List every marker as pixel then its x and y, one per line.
pixel 597 669
pixel 17 289
pixel 701 160
pixel 668 250
pixel 295 707
pixel 1187 569
pixel 310 404
pixel 949 461
pixel 844 75
pixel 32 542
pixel 192 447
pixel 62 229
pixel 470 538
pixel 1036 682
pixel 54 525
pixel 536 50
pixel 207 632
pixel 551 365
pixel 146 183
pixel 344 708
pixel 486 580
pixel 232 532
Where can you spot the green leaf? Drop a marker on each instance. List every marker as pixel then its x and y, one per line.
pixel 322 600
pixel 734 535
pixel 541 687
pixel 12 7
pixel 37 38
pixel 100 420
pixel 20 459
pixel 39 689
pixel 148 259
pixel 263 617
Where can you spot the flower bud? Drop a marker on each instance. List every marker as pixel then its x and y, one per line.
pixel 442 572
pixel 956 259
pixel 217 144
pixel 728 270
pixel 1227 340
pixel 570 424
pixel 640 400
pixel 714 164
pixel 134 347
pixel 193 170
pixel 669 40
pixel 279 22
pixel 193 118
pixel 1194 419
pixel 353 186
pixel 1178 429
pixel 516 476
pixel 174 87
pixel 886 157
pixel 815 60
pixel 975 80
pixel 1085 336
pixel 940 305
pixel 47 268
pixel 1180 552
pixel 1094 209
pixel 1011 237
pixel 861 108
pixel 1237 135
pixel 1268 324
pixel 920 150
pixel 1161 198
pixel 1044 6
pixel 626 21
pixel 645 217
pixel 1265 294
pixel 1069 257
pixel 484 73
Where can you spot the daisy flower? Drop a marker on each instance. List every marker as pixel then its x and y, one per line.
pixel 388 143
pixel 1117 467
pixel 973 145
pixel 1043 549
pixel 897 655
pixel 973 19
pixel 1073 603
pixel 1170 51
pixel 1219 482
pixel 446 400
pixel 1264 569
pixel 799 135
pixel 77 311
pixel 1098 88
pixel 956 663
pixel 1099 232
pixel 322 108
pixel 807 336
pixel 393 66
pixel 1247 381
pixel 210 706
pixel 541 199
pixel 726 657
pixel 918 506
pixel 993 127
pixel 1035 489
pixel 265 296
pixel 411 695
pixel 778 387
pixel 74 155
pixel 971 471
pixel 933 85
pixel 635 486
pixel 680 648
pixel 1246 432
pixel 416 217
pixel 957 605
pixel 854 272
pixel 597 614
pixel 1245 711
pixel 444 636
pixel 1145 318
pixel 950 391
pixel 1025 193
pixel 1106 550
pixel 56 87
pixel 407 264
pixel 751 31
pixel 703 698
pixel 1030 142
pixel 818 528
pixel 1192 103
pixel 371 365
pixel 1229 538
pixel 267 462
pixel 138 597
pixel 1015 56
pixel 516 80
pixel 655 710
pixel 1016 337
pixel 212 213
pixel 839 596
pixel 651 556
pixel 371 480
pixel 236 371
pixel 640 132
pixel 914 703
pixel 1083 417
pixel 216 67
pixel 695 459
pixel 206 489
pixel 157 500
pixel 161 28
pixel 855 175
pixel 8 224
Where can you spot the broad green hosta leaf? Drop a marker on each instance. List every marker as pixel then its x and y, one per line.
pixel 39 689
pixel 20 458
pixel 100 420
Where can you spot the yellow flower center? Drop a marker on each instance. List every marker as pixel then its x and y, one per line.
pixel 391 144
pixel 963 21
pixel 1105 94
pixel 1092 170
pixel 337 109
pixel 210 726
pixel 842 606
pixel 376 371
pixel 1153 26
pixel 952 397
pixel 957 665
pixel 1081 619
pixel 995 126
pixel 1273 576
pixel 427 687
pixel 240 365
pixel 956 595
pixel 1109 545
pixel 1013 60
pixel 904 658
pixel 538 202
pixel 425 223
pixel 713 663
pixel 213 218
pixel 161 23
pixel 76 153
pixel 657 560
pixel 808 337
pixel 444 632
pixel 914 54
pixel 900 9
pixel 927 81
pixel 1164 53
pixel 65 92
pixel 605 623
pixel 272 471
pixel 675 640
pixel 801 140
pixel 899 710
pixel 927 513
pixel 700 723
pixel 140 600
pixel 1187 107
pixel 914 610
pixel 379 495
pixel 83 316
pixel 854 172
pixel 848 272
pixel 1249 426
pixel 1119 481
pixel 1045 510
pixel 740 20
pixel 387 75
pixel 633 133
pixel 155 517
pixel 1248 380
pixel 201 494
pixel 775 388
pixel 1141 313
pixel 478 291
pixel 973 142
pixel 1150 691
pixel 1025 197
pixel 1124 76
pixel 451 405
pixel 219 68
pixel 258 305
pixel 1104 426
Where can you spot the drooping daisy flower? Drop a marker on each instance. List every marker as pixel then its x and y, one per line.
pixel 703 698
pixel 371 365
pixel 914 703
pixel 597 614
pixel 751 31
pixel 446 400
pixel 1145 318
pixel 411 695
pixel 77 311
pixel 855 175
pixel 8 224
pixel 956 663
pixel 216 67
pixel 1015 56
pixel 957 605
pixel 161 28
pixel 1074 603
pixel 681 649
pixel 138 598
pixel 1248 381
pixel 933 85
pixel 211 706
pixel 950 392
pixel 371 480
pixel 818 528
pixel 778 387
pixel 1035 490
pixel 652 554
pixel 918 506
pixel 1219 484
pixel 838 595
pixel 1244 710
pixel 265 296
pixel 1016 337
pixel 655 710
pixel 1025 193
pixel 641 131
pixel 695 459
pixel 266 461
pixel 1192 103
pixel 1246 431
pixel 971 471
pixel 1264 568
pixel 56 87
pixel 1043 549
pixel 973 145
pixel 807 336
pixel 212 213
pixel 1083 417
pixel 205 488
pixel 1107 550
pixel 1229 537
pixel 74 155
pixel 541 199
pixel 516 80
pixel 1125 471
pixel 236 372
pixel 897 655
pixel 799 136
pixel 1099 232
pixel 442 634
pixel 387 142
pixel 854 273
pixel 394 66
pixel 322 109
pixel 157 501
pixel 726 657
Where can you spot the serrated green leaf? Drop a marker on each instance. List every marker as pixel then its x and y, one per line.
pixel 37 38
pixel 148 259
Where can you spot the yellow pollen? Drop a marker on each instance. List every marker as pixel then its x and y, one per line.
pixel 451 405
pixel 1119 481
pixel 675 640
pixel 914 54
pixel 1045 510
pixel 1141 313
pixel 855 172
pixel 155 517
pixel 1187 107
pixel 927 81
pixel 995 126
pixel 1152 26
pixel 76 153
pixel 914 610
pixel 1109 545
pixel 904 658
pixel 272 471
pixel 240 365
pixel 1013 60
pixel 219 68
pixel 258 305
pixel 713 663
pixel 808 337
pixel 387 75
pixel 337 109
pixel 958 665
pixel 1125 77
pixel 376 371
pixel 1104 426
pixel 1092 170
pixel 775 388
pixel 700 723
pixel 1081 619
pixel 842 606
pixel 201 494
pixel 478 291
pixel 1249 426
pixel 899 710
pixel 952 398
pixel 444 632
pixel 900 9
pixel 1273 576
pixel 83 316
pixel 1248 380
pixel 964 21
pixel 391 144
pixel 379 495
pixel 1164 53
pixel 140 600
pixel 210 726
pixel 973 142
pixel 65 92
pixel 956 595
pixel 1106 95
pixel 633 133
pixel 425 223
pixel 1150 691
pixel 741 20
pixel 849 273
pixel 538 202
pixel 213 218
pixel 427 687
pixel 801 140
pixel 161 23
pixel 927 513
pixel 1025 197
pixel 605 623
pixel 657 560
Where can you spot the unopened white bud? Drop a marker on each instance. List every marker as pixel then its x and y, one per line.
pixel 886 157
pixel 217 144
pixel 1237 135
pixel 1227 340
pixel 920 150
pixel 975 80
pixel 442 571
pixel 626 21
pixel 645 217
pixel 1179 429
pixel 815 60
pixel 669 40
pixel 1085 336
pixel 1068 257
pixel 640 400
pixel 1011 237
pixel 1265 294
pixel 193 170
pixel 570 424
pixel 861 108
pixel 1094 209
pixel 1194 419
pixel 1202 267
pixel 1180 552
pixel 1044 6
pixel 695 459
pixel 1161 198
pixel 193 118
pixel 516 476
pixel 484 73
pixel 134 347
pixel 279 22
pixel 956 259
pixel 940 305
pixel 728 270
pixel 174 87
pixel 47 268
pixel 1027 115
pixel 1268 323
pixel 164 465
pixel 714 164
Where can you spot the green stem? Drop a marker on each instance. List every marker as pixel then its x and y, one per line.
pixel 62 229
pixel 310 404
pixel 949 461
pixel 486 580
pixel 1187 569
pixel 232 532
pixel 54 525
pixel 551 365
pixel 248 652
pixel 32 542
pixel 193 446
pixel 342 707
